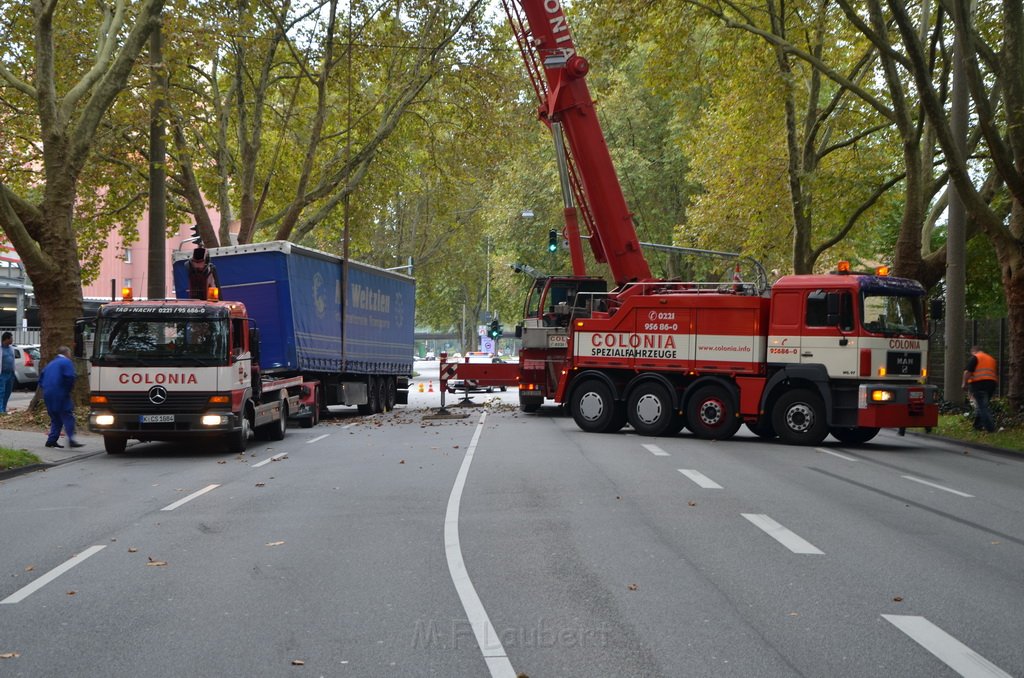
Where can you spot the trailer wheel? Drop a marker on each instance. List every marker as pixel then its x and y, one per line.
pixel 115 444
pixel 649 409
pixel 382 394
pixel 391 389
pixel 238 440
pixel 371 406
pixel 710 413
pixel 854 436
pixel 592 406
pixel 799 417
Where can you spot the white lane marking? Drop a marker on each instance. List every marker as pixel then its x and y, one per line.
pixel 489 642
pixel 318 438
pixel 77 559
pixel 656 451
pixel 791 540
pixel 348 426
pixel 276 457
pixel 939 487
pixel 699 478
pixel 834 454
pixel 948 649
pixel 208 488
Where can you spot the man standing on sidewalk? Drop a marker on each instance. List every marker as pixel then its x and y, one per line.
pixel 981 377
pixel 57 381
pixel 6 370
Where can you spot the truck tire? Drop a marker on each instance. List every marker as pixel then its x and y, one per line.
pixel 372 405
pixel 530 403
pixel 799 417
pixel 276 430
pixel 592 406
pixel 238 440
pixel 391 389
pixel 710 413
pixel 649 409
pixel 854 436
pixel 314 418
pixel 763 429
pixel 382 394
pixel 115 444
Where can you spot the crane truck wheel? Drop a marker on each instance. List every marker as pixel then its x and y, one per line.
pixel 530 403
pixel 649 409
pixel 799 417
pixel 763 428
pixel 115 444
pixel 710 413
pixel 592 406
pixel 392 393
pixel 314 418
pixel 854 436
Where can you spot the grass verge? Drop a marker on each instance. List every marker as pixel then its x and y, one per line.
pixel 16 458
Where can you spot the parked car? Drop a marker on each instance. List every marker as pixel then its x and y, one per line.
pixel 26 366
pixel 470 385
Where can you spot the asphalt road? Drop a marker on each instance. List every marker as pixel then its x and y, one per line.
pixel 395 545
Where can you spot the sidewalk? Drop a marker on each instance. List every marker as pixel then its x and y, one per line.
pixel 35 442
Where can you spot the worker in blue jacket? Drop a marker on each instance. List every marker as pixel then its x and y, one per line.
pixel 57 382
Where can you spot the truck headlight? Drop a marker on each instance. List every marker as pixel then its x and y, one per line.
pixel 104 420
pixel 212 420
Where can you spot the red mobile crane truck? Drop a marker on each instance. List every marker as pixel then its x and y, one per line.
pixel 810 355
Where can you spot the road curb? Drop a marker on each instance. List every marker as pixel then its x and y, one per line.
pixel 968 443
pixel 31 468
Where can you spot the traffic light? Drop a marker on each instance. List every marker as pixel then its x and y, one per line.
pixel 496 330
pixel 195 237
pixel 552 240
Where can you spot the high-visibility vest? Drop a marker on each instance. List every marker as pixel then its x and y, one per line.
pixel 985 370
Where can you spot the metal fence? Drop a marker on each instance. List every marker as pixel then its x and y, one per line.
pixel 990 334
pixel 26 337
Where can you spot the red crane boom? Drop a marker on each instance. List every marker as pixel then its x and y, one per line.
pixel 558 76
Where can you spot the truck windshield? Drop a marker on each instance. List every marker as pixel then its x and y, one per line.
pixel 160 340
pixel 892 314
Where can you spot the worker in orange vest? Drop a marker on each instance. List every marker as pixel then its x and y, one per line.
pixel 980 378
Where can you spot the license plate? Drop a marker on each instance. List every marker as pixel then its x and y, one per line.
pixel 156 418
pixel 903 364
pixel 558 341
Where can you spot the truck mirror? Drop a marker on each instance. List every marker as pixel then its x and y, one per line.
pixel 832 309
pixel 83 326
pixel 254 343
pixel 937 310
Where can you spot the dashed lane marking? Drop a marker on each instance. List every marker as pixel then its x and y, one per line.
pixel 276 457
pixel 24 592
pixel 939 487
pixel 208 488
pixel 945 647
pixel 656 451
pixel 835 454
pixel 784 536
pixel 699 478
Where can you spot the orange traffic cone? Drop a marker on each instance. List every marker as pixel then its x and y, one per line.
pixel 421 387
pixel 431 388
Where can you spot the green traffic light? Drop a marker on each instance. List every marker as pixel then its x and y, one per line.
pixel 552 240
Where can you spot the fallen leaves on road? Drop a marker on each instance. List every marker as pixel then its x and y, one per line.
pixel 402 462
pixel 29 568
pixel 71 593
pixel 274 543
pixel 156 563
pixel 222 461
pixel 9 655
pixel 897 599
pixel 633 587
pixel 261 484
pixel 691 503
pixel 133 549
pixel 298 662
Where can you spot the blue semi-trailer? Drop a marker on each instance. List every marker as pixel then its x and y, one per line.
pixel 275 340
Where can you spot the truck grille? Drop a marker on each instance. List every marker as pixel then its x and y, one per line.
pixel 176 403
